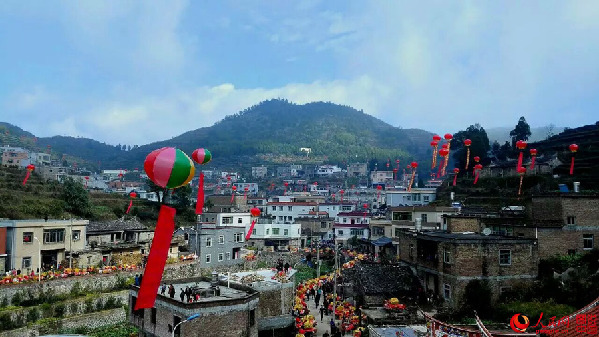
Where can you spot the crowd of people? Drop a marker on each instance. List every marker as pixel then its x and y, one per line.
pixel 321 290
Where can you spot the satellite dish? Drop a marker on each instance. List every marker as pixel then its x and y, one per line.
pixel 487 231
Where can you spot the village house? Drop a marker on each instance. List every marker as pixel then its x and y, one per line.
pixel 287 212
pixel 415 197
pixel 381 178
pixel 357 170
pixel 24 242
pixel 351 224
pixel 259 172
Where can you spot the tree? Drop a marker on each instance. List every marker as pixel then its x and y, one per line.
pixel 76 198
pixel 480 146
pixel 520 132
pixel 156 189
pixel 477 296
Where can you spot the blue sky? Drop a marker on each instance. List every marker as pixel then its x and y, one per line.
pixel 135 72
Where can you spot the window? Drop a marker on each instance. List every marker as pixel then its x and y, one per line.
pixel 397 232
pixel 27 237
pixel 208 242
pixel 446 291
pixel 239 220
pixel 344 220
pixel 402 216
pixel 323 225
pixel 153 316
pixel 280 208
pixel 275 231
pixel 424 217
pixel 346 208
pixel 505 257
pixel 252 317
pixel 268 231
pixel 378 231
pixel 588 241
pixel 208 258
pixel 425 198
pixel 290 208
pixel 238 237
pixel 221 256
pixel 53 235
pixel 340 232
pixel 571 220
pixel 221 239
pixel 281 218
pixel 76 235
pixel 285 232
pixel 26 262
pixel 254 231
pixel 274 208
pixel 227 220
pixel 228 254
pixel 358 232
pixel 446 256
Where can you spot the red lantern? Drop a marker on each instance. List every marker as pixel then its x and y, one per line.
pixel 234 188
pixel 477 159
pixel 477 169
pixel 444 154
pixel 285 190
pixel 132 195
pixel 521 172
pixel 467 143
pixel 86 180
pixel 434 145
pixel 573 149
pixel 30 169
pixel 255 212
pixel 436 138
pixel 413 165
pixel 245 192
pixel 455 177
pixel 395 174
pixel 521 145
pixel 533 155
pixel 341 192
pixel 448 137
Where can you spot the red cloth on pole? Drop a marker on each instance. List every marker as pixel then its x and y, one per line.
pixel 520 161
pixel 532 163
pixel 129 208
pixel 29 172
pixel 200 203
pixel 455 177
pixel 161 244
pixel 572 166
pixel 249 233
pixel 476 177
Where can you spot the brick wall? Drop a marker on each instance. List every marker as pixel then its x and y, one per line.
pixel 462 224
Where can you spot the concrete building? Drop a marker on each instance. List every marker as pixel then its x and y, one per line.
pixel 287 212
pixel 350 224
pixel 40 159
pixel 431 217
pixel 252 189
pixel 225 219
pixel 24 241
pixel 223 311
pixel 259 172
pixel 382 178
pixel 280 236
pixel 357 170
pixel 447 262
pixel 334 208
pixel 15 156
pixel 416 197
pixel 328 170
pixel 219 245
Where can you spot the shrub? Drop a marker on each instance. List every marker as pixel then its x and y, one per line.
pixel 59 309
pixel 5 322
pixel 4 302
pixel 17 299
pixel 33 315
pixel 89 305
pixel 99 305
pixel 110 303
pixel 74 308
pixel 47 311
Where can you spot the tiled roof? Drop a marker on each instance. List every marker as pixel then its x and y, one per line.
pixel 292 203
pixel 116 225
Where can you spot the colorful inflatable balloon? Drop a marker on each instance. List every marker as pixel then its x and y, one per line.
pixel 169 167
pixel 201 156
pixel 30 169
pixel 573 148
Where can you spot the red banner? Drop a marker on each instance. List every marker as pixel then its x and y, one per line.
pixel 29 172
pixel 249 234
pixel 161 244
pixel 129 208
pixel 200 202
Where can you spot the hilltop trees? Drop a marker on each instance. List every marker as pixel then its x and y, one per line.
pixel 520 132
pixel 480 146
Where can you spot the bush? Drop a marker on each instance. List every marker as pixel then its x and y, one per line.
pixel 17 299
pixel 59 309
pixel 532 310
pixel 73 308
pixel 110 303
pixel 33 315
pixel 47 310
pixel 5 322
pixel 99 305
pixel 477 296
pixel 4 302
pixel 89 305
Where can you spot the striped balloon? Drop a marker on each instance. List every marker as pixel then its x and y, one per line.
pixel 169 167
pixel 201 156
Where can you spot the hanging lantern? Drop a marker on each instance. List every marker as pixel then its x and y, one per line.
pixel 467 143
pixel 521 145
pixel 245 193
pixel 521 172
pixel 234 188
pixel 132 195
pixel 434 145
pixel 413 165
pixel 573 149
pixel 86 180
pixel 448 137
pixel 285 190
pixel 255 212
pixel 477 169
pixel 455 177
pixel 443 153
pixel 30 169
pixel 341 192
pixel 379 188
pixel 533 155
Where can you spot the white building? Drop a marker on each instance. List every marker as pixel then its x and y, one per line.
pixel 40 159
pixel 382 177
pixel 227 219
pixel 333 209
pixel 286 212
pixel 325 170
pixel 280 236
pixel 416 197
pixel 252 188
pixel 350 224
pixel 259 171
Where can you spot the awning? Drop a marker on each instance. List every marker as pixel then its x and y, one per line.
pixel 382 241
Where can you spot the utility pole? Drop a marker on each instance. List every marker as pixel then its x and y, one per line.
pixel 317 260
pixel 335 275
pixel 71 245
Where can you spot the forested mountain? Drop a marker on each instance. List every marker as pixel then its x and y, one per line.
pixel 273 131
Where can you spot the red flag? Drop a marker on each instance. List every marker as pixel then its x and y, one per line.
pixel 26 177
pixel 157 258
pixel 200 202
pixel 129 208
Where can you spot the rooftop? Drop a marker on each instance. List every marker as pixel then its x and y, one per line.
pixel 469 237
pixel 116 225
